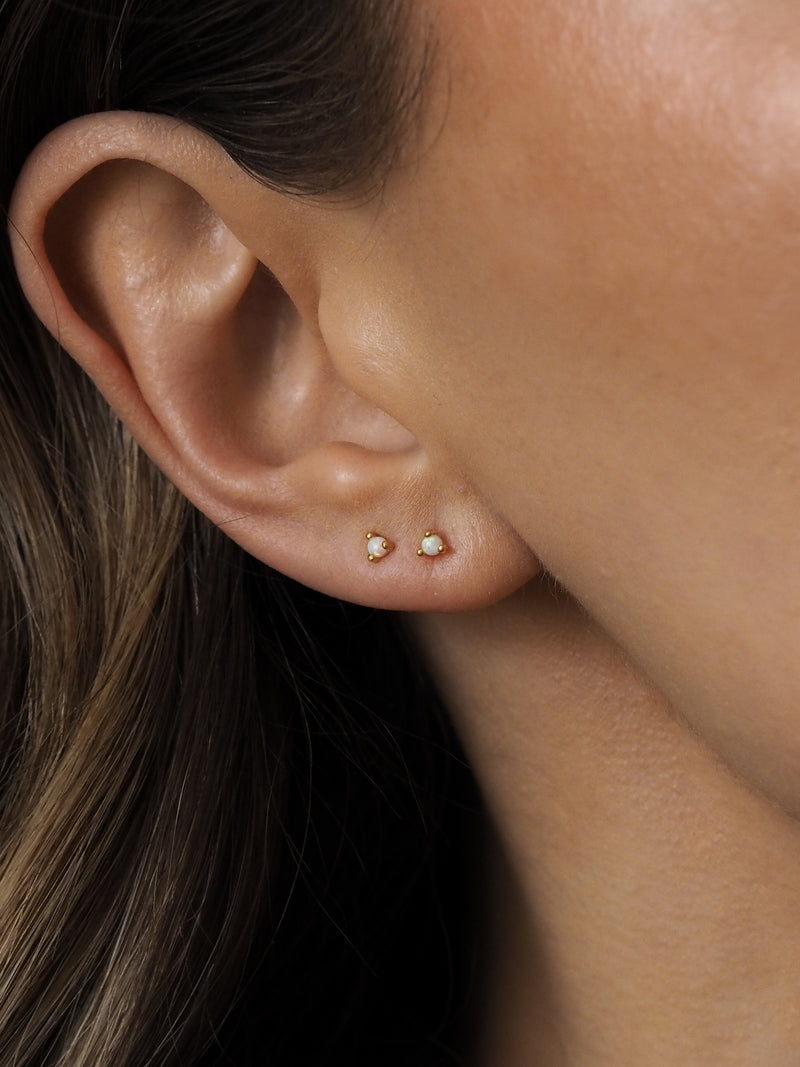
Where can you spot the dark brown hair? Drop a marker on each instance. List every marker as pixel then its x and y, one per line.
pixel 225 833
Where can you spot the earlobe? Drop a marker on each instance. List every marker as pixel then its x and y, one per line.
pixel 131 243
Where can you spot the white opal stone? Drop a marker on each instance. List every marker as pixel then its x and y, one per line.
pixel 432 545
pixel 375 547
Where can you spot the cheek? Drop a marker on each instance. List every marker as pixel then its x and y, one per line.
pixel 599 257
pixel 588 300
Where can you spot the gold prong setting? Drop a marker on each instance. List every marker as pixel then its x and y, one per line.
pixel 377 547
pixel 432 545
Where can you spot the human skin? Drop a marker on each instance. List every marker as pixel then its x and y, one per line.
pixel 609 290
pixel 602 251
pixel 643 902
pixel 577 295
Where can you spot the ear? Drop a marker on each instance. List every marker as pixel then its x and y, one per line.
pixel 188 292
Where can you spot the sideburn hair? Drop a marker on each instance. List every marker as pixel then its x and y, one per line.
pixel 227 835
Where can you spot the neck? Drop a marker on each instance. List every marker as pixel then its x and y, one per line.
pixel 645 902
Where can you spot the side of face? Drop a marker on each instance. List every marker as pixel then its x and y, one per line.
pixel 584 292
pixel 565 329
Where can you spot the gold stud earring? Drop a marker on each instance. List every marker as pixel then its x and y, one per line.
pixel 377 547
pixel 431 545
